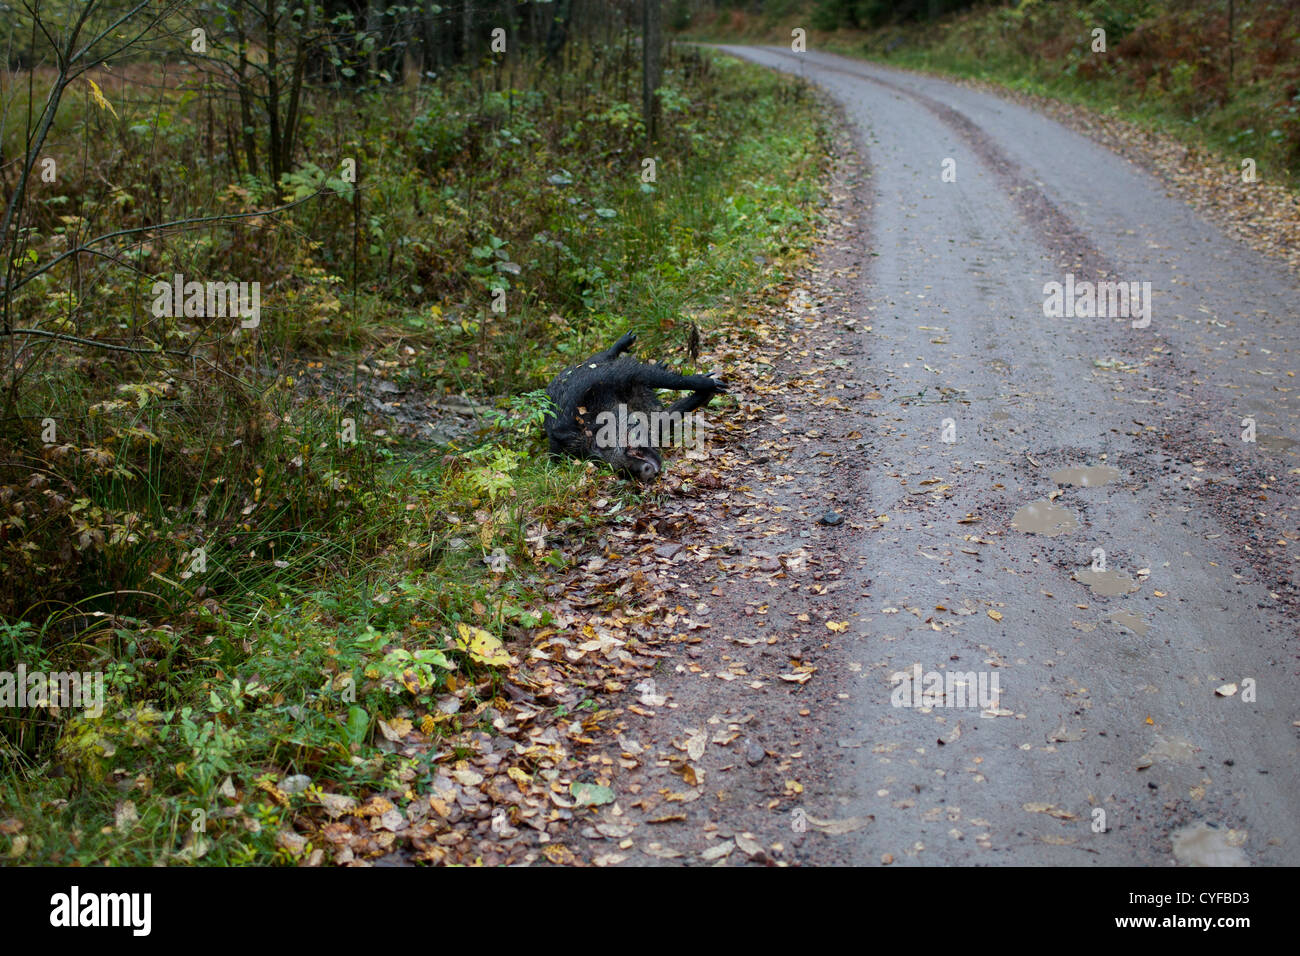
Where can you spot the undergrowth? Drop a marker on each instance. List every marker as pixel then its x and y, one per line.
pixel 263 575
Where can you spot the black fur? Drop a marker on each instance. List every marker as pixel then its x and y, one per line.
pixel 604 382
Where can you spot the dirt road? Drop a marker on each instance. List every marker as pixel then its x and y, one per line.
pixel 1052 520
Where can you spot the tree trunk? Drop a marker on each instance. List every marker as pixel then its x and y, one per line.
pixel 512 26
pixel 558 30
pixel 652 63
pixel 1232 16
pixel 274 135
pixel 374 21
pixel 467 33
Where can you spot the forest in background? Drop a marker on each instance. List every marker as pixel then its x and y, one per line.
pixel 1219 75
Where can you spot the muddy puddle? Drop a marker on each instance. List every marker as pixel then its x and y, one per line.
pixel 1132 622
pixel 1204 845
pixel 1276 443
pixel 1043 517
pixel 1091 476
pixel 1168 750
pixel 1106 583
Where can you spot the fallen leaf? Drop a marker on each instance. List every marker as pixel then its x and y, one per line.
pixel 840 827
pixel 663 852
pixel 396 729
pixel 481 645
pixel 748 845
pixel 1050 809
pixel 718 851
pixel 591 794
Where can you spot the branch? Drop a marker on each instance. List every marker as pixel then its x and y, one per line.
pixel 113 347
pixel 86 246
pixel 92 342
pixel 113 26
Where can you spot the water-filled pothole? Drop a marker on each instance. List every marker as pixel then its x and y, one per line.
pixel 1091 476
pixel 1106 583
pixel 1043 517
pixel 1132 622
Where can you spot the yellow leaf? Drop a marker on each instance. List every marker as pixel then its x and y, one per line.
pixel 482 646
pixel 396 729
pixel 98 94
pixel 837 627
pixel 519 776
pixel 559 854
pixel 996 615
